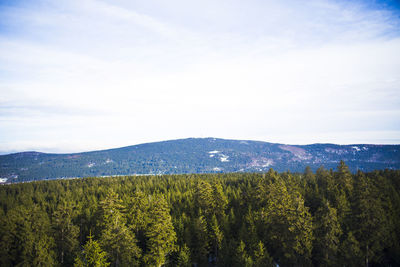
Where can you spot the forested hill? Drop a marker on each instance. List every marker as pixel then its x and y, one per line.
pixel 196 155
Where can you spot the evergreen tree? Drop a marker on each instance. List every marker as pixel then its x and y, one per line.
pixel 116 238
pixel 327 236
pixel 312 197
pixel 200 242
pixel 204 198
pixel 138 216
pixel 216 236
pixel 34 245
pixel 160 234
pixel 92 255
pixel 371 225
pixel 289 225
pixel 261 256
pixel 344 178
pixel 220 201
pixel 350 252
pixel 344 211
pixel 219 219
pixel 184 257
pixel 65 234
pixel 8 239
pixel 242 257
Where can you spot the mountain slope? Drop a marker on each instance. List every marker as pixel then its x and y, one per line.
pixel 196 155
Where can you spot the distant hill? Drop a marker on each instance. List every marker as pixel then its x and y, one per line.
pixel 196 155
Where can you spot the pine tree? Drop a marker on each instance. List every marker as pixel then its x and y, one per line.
pixel 138 211
pixel 262 257
pixel 65 234
pixel 8 239
pixel 220 201
pixel 160 234
pixel 371 225
pixel 350 252
pixel 242 257
pixel 92 255
pixel 327 236
pixel 200 244
pixel 184 257
pixel 343 207
pixel 138 216
pixel 204 198
pixel 35 246
pixel 312 196
pixel 116 238
pixel 344 178
pixel 289 225
pixel 216 236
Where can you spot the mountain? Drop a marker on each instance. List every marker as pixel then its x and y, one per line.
pixel 196 155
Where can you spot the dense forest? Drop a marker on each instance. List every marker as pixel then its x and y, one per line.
pixel 196 155
pixel 322 218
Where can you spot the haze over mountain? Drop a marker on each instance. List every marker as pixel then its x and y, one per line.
pixel 196 155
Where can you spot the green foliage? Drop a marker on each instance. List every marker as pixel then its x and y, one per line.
pixel 327 235
pixel 289 225
pixel 200 242
pixel 65 234
pixel 350 251
pixel 184 257
pixel 116 238
pixel 92 255
pixel 26 238
pixel 160 234
pixel 261 256
pixel 371 225
pixel 330 218
pixel 204 198
pixel 242 257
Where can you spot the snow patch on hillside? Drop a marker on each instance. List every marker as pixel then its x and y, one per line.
pixel 261 162
pixel 90 165
pixel 339 151
pixel 224 158
pixel 298 152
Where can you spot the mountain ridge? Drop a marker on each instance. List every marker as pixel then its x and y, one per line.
pixel 196 155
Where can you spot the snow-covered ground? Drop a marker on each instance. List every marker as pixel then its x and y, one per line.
pixel 224 158
pixel 90 165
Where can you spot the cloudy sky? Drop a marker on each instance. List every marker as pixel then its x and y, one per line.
pixel 78 75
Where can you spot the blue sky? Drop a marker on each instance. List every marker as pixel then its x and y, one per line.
pixel 83 75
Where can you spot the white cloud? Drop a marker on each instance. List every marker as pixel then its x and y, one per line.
pixel 94 74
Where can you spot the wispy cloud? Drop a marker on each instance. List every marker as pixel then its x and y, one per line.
pixel 110 73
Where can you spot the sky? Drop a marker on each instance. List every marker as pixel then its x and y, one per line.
pixel 80 75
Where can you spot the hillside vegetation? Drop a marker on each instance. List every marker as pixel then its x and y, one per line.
pixel 324 218
pixel 197 155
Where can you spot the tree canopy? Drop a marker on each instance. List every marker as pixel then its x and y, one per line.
pixel 327 218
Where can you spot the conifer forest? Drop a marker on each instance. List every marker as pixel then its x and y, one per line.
pixel 322 218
